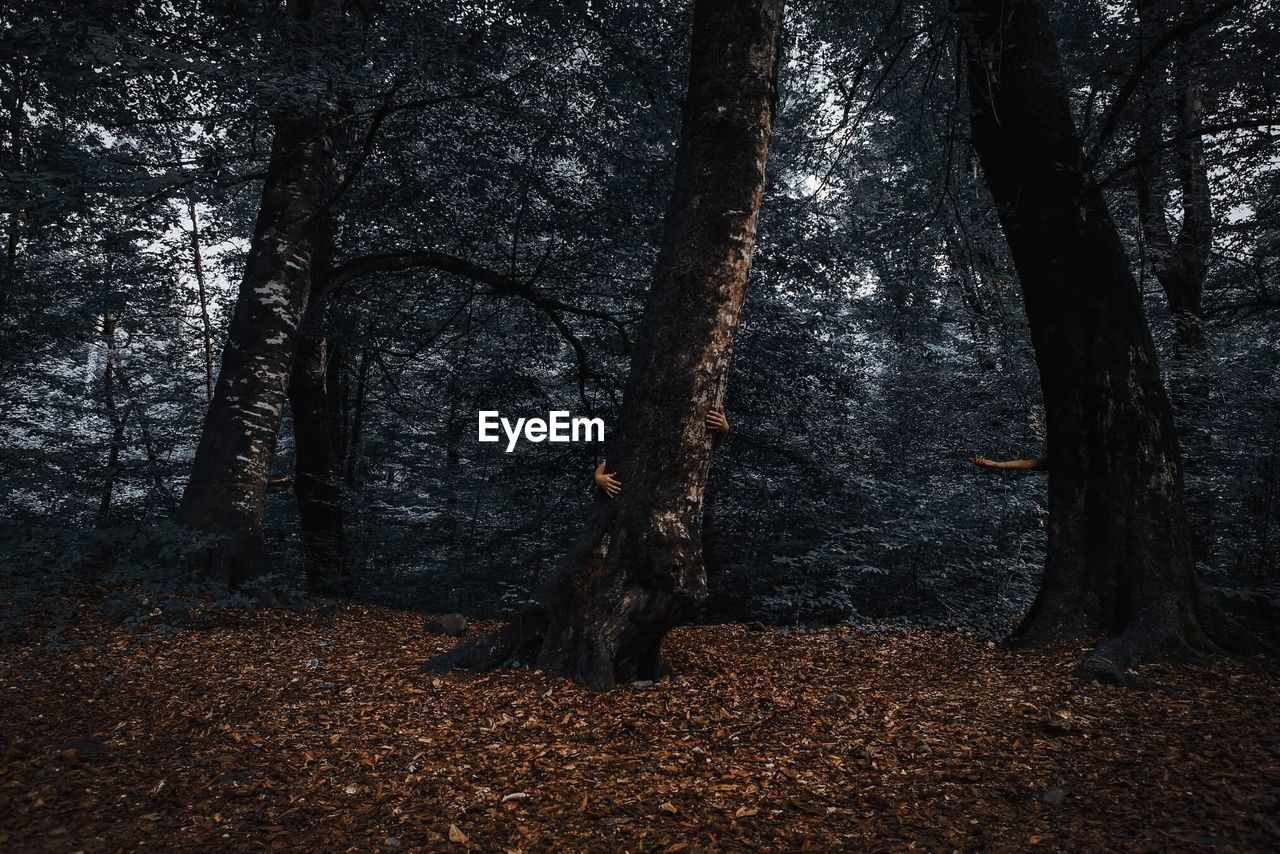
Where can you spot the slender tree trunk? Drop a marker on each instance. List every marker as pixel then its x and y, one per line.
pixel 115 418
pixel 226 494
pixel 354 433
pixel 453 436
pixel 14 160
pixel 148 440
pixel 206 325
pixel 1119 561
pixel 637 569
pixel 1180 265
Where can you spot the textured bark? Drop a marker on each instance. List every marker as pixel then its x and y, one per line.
pixel 1119 561
pixel 1180 264
pixel 226 493
pixel 637 569
pixel 315 398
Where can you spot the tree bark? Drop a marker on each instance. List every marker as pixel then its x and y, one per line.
pixel 1180 264
pixel 206 324
pixel 1119 560
pixel 315 396
pixel 317 484
pixel 226 494
pixel 351 460
pixel 637 569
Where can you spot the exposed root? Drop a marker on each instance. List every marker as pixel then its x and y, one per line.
pixel 514 644
pixel 1148 638
pixel 589 661
pixel 1233 639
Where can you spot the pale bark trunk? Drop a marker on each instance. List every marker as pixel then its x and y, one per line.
pixel 225 497
pixel 17 123
pixel 355 432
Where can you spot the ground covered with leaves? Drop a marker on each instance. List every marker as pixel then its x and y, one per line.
pixel 276 729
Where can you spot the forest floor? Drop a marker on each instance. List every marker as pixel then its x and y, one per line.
pixel 305 731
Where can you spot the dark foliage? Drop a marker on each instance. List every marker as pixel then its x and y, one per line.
pixel 883 342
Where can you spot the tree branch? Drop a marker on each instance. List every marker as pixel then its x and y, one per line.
pixel 1130 85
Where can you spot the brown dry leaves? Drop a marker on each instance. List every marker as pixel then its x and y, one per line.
pixel 302 731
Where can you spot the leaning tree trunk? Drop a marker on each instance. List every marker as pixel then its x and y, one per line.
pixel 636 571
pixel 1119 560
pixel 226 494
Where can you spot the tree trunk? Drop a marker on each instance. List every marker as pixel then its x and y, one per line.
pixel 317 482
pixel 1119 561
pixel 637 570
pixel 226 494
pixel 206 324
pixel 315 396
pixel 355 431
pixel 114 417
pixel 13 160
pixel 1180 265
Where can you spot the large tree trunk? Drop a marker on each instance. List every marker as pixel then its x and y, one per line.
pixel 1119 561
pixel 314 397
pixel 1180 264
pixel 636 571
pixel 226 494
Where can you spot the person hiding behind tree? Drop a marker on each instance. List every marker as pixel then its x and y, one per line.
pixel 716 422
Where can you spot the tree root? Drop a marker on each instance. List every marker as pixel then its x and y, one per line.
pixel 587 659
pixel 514 644
pixel 1113 660
pixel 1148 639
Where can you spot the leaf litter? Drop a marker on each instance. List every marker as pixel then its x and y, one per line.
pixel 317 730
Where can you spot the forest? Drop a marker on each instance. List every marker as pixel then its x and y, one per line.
pixel 707 425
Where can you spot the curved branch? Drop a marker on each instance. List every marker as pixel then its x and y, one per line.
pixel 497 283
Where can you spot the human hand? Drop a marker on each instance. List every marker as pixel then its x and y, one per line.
pixel 608 482
pixel 717 422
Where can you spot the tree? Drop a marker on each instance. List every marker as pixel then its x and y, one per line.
pixel 226 493
pixel 636 570
pixel 1180 262
pixel 319 432
pixel 1119 559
